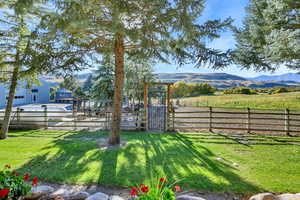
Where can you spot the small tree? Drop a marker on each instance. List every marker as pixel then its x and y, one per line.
pixel 281 90
pixel 72 83
pixel 201 89
pixel 103 82
pixel 181 89
pixel 27 49
pixel 136 73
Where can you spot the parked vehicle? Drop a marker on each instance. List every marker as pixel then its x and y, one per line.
pixel 35 115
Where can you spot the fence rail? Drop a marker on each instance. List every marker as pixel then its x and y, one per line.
pixel 248 120
pixel 71 119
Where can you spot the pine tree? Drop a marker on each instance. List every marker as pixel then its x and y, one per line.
pixel 27 49
pixel 103 82
pixel 136 73
pixel 157 30
pixel 270 36
pixel 87 85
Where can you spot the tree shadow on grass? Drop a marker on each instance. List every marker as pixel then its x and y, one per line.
pixel 243 139
pixel 196 166
pixel 39 133
pixel 72 159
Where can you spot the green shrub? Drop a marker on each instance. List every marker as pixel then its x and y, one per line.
pixel 281 90
pixel 182 89
pixel 241 90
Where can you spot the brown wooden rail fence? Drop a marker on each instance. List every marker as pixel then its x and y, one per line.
pixel 233 120
pixel 230 119
pixel 72 119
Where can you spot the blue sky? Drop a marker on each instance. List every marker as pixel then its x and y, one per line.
pixel 220 9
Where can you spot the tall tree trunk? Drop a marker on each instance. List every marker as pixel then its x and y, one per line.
pixel 119 82
pixel 7 116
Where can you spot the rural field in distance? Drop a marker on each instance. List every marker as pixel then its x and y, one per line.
pixel 289 100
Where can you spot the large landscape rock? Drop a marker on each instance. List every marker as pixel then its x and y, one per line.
pixel 264 196
pixel 116 197
pixel 188 197
pixel 39 191
pixel 98 196
pixel 60 192
pixel 288 197
pixel 78 196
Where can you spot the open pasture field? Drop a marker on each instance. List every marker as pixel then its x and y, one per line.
pixel 260 101
pixel 204 161
pixel 236 120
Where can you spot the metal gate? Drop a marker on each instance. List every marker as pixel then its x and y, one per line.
pixel 157 118
pixel 157 108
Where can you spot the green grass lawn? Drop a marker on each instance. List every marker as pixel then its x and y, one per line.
pixel 260 101
pixel 267 164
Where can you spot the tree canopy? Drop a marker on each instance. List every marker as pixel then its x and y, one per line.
pixel 270 35
pixel 27 48
pixel 155 29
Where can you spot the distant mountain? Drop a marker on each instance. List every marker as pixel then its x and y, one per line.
pixel 217 80
pixel 283 77
pixel 224 80
pixel 198 76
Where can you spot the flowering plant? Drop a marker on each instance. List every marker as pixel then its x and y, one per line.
pixel 160 190
pixel 13 185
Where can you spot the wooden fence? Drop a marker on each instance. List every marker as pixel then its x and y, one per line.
pixel 233 120
pixel 246 120
pixel 72 120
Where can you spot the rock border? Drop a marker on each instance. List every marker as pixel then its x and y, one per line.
pixel 47 192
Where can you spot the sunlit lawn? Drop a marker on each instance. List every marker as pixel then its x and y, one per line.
pixel 267 163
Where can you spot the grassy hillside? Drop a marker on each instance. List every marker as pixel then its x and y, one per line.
pixel 260 101
pixel 223 80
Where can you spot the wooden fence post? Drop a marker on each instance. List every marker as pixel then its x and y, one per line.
pixel 74 118
pixel 248 120
pixel 45 117
pixel 146 105
pixel 138 121
pixel 106 120
pixel 168 107
pixel 18 115
pixel 287 121
pixel 210 119
pixel 173 121
pixel 108 117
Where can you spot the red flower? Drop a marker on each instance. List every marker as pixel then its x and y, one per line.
pixel 7 166
pixel 177 188
pixel 15 173
pixel 4 192
pixel 35 181
pixel 26 177
pixel 134 191
pixel 162 180
pixel 145 189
